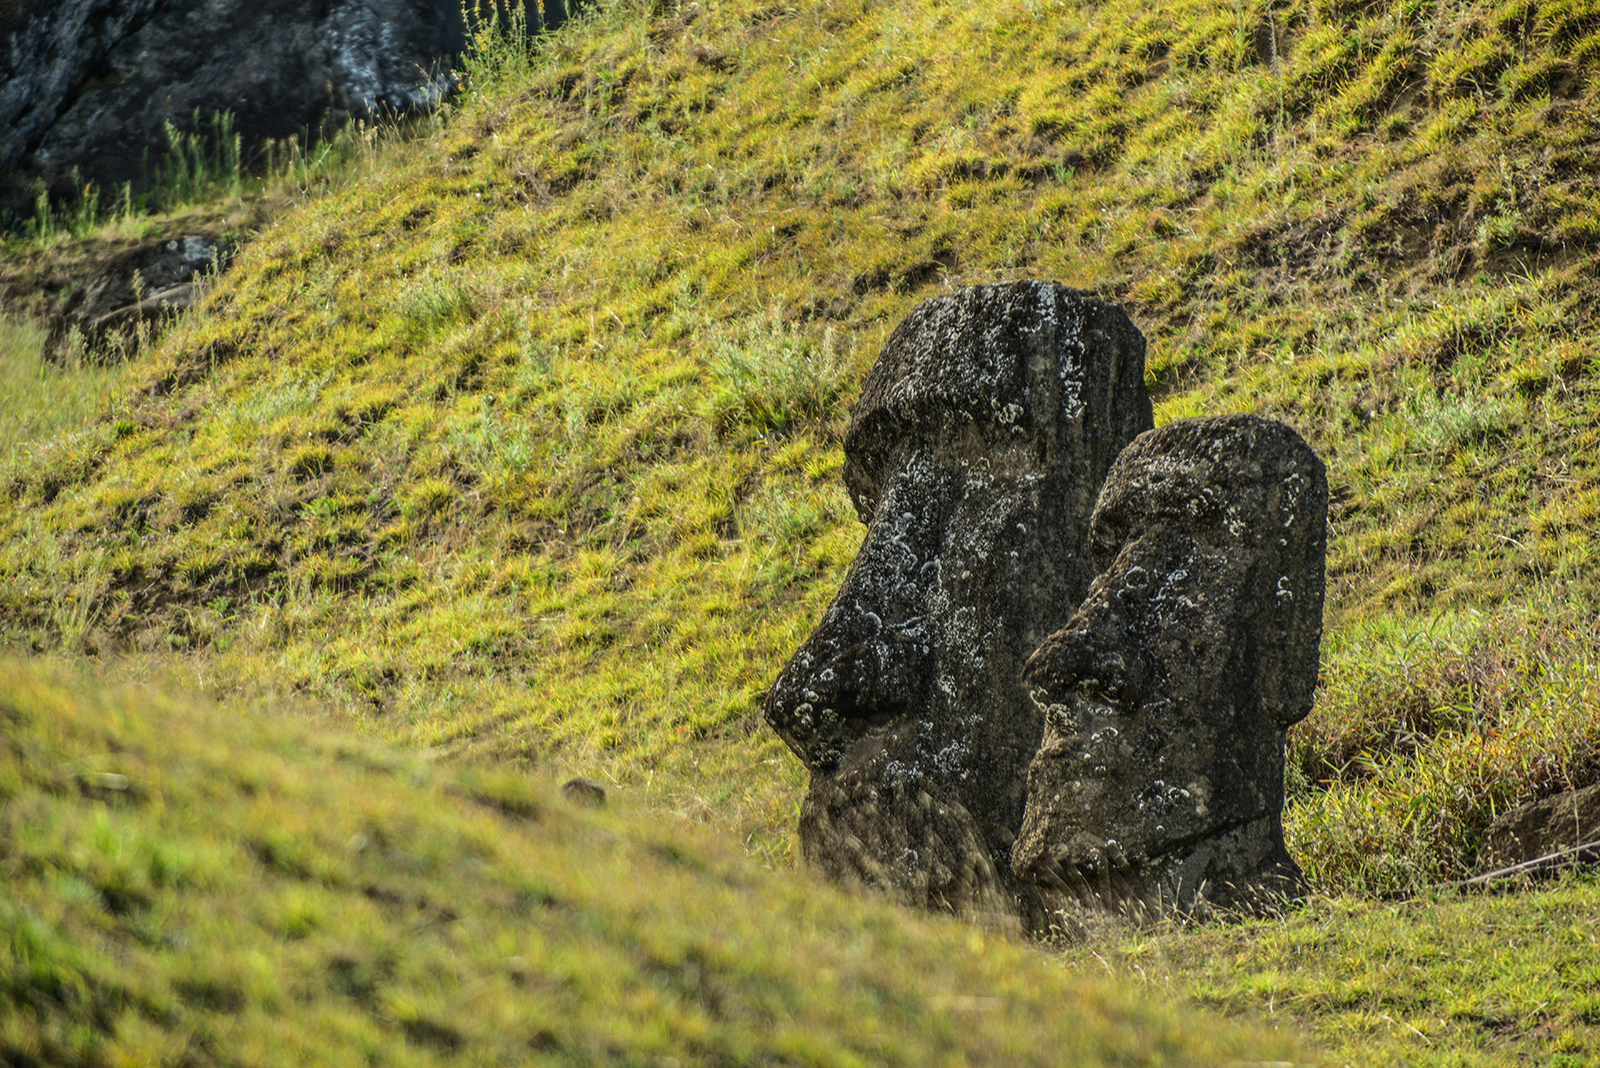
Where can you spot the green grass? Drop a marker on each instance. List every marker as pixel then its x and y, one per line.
pixel 201 187
pixel 523 439
pixel 39 397
pixel 1425 729
pixel 1496 979
pixel 520 442
pixel 192 884
pixel 205 164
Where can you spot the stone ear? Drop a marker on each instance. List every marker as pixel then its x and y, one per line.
pixel 1286 685
pixel 1291 581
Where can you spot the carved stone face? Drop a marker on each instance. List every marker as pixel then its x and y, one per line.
pixel 973 457
pixel 1159 783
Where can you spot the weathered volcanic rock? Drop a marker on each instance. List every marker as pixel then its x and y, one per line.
pixel 91 83
pixel 584 792
pixel 1159 785
pixel 974 457
pixel 143 283
pixel 50 45
pixel 1540 829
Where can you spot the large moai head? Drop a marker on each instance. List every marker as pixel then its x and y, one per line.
pixel 974 458
pixel 1159 784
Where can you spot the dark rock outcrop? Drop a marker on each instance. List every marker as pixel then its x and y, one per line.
pixel 142 284
pixel 1529 833
pixel 974 457
pixel 50 46
pixel 91 83
pixel 1159 784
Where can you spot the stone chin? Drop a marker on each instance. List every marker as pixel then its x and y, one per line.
pixel 1114 821
pixel 1095 836
pixel 878 821
pixel 1197 879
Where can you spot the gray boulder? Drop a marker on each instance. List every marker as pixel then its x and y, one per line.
pixel 142 284
pixel 974 457
pixel 1159 784
pixel 1555 827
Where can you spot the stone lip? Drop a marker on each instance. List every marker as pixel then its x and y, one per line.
pixel 974 457
pixel 1159 781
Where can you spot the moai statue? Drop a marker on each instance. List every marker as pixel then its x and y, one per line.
pixel 974 457
pixel 1159 786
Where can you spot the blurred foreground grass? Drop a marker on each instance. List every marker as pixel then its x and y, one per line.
pixel 191 884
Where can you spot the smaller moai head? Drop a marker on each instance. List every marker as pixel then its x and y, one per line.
pixel 1159 783
pixel 973 458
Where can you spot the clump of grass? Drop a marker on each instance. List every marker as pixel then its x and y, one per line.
pixel 766 375
pixel 203 165
pixel 500 42
pixel 79 215
pixel 1425 730
pixel 200 164
pixel 39 396
pixel 188 882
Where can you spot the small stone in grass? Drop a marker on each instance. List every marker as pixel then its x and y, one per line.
pixel 585 792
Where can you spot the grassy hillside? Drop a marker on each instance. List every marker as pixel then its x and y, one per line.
pixel 518 448
pixel 187 884
pixel 526 441
pixel 524 444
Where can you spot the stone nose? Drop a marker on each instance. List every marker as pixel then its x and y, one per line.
pixel 855 664
pixel 852 672
pixel 1097 654
pixel 866 663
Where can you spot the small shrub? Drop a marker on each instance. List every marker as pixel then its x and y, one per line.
pixel 427 497
pixel 767 375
